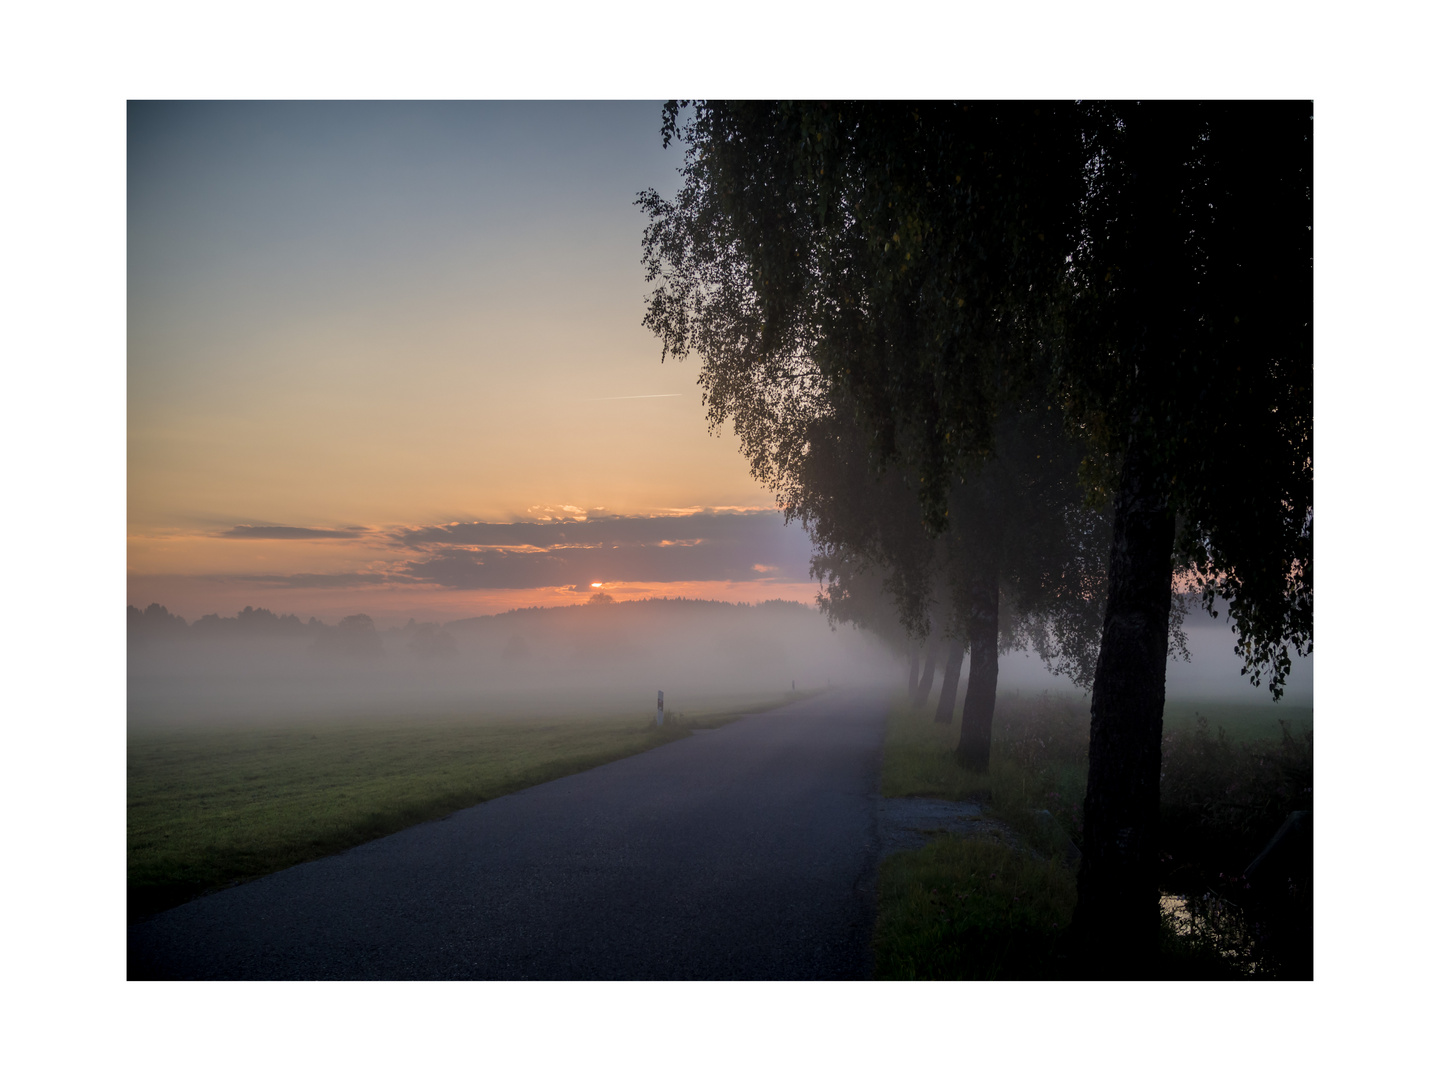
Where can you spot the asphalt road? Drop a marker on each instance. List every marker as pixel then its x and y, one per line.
pixel 747 852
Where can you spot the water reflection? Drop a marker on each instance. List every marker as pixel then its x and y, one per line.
pixel 1213 924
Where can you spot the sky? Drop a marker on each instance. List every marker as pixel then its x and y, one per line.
pixel 369 342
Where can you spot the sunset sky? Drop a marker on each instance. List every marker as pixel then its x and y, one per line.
pixel 368 343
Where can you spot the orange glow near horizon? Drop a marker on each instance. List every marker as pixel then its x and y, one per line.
pixel 447 573
pixel 391 605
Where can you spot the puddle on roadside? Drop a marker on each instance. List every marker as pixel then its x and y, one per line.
pixel 1176 911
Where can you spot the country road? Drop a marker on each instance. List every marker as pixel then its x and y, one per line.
pixel 747 852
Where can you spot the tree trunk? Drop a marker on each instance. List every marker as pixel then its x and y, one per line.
pixel 979 715
pixel 927 677
pixel 914 668
pixel 1117 918
pixel 945 712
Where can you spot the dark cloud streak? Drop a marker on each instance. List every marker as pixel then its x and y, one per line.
pixel 747 527
pixel 305 581
pixel 291 532
pixel 706 546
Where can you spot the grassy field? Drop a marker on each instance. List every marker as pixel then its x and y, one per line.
pixel 210 808
pixel 977 909
pixel 1241 722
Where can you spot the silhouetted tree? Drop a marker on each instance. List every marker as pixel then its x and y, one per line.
pixel 1145 269
pixel 155 621
pixel 251 622
pixel 852 590
pixel 353 637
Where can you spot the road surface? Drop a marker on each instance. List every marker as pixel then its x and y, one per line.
pixel 747 852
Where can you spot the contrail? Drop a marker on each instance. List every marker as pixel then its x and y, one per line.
pixel 630 397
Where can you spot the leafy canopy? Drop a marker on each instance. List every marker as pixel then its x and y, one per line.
pixel 1144 270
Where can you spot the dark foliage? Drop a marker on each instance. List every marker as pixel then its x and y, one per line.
pixel 353 638
pixel 1144 269
pixel 154 622
pixel 1221 803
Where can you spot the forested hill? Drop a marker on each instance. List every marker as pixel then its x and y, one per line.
pixel 625 613
pixel 156 621
pixel 598 630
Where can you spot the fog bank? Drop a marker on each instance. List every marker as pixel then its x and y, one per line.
pixel 590 659
pixel 598 657
pixel 1212 672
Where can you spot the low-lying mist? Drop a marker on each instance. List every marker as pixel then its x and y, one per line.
pixel 1212 673
pixel 593 659
pixel 588 660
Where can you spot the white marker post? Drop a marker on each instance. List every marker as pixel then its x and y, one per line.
pixel 659 708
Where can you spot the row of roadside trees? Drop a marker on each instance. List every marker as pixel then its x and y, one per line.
pixel 1059 353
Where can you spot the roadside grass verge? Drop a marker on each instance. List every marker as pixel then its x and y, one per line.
pixel 1221 801
pixel 981 910
pixel 212 808
pixel 971 909
pixel 1037 763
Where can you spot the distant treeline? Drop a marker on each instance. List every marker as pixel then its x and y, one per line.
pixel 156 621
pixel 354 635
pixel 600 608
pixel 357 635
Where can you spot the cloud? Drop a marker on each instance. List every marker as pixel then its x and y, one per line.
pixel 750 527
pixel 304 581
pixel 629 397
pixel 291 532
pixel 707 545
pixel 696 547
